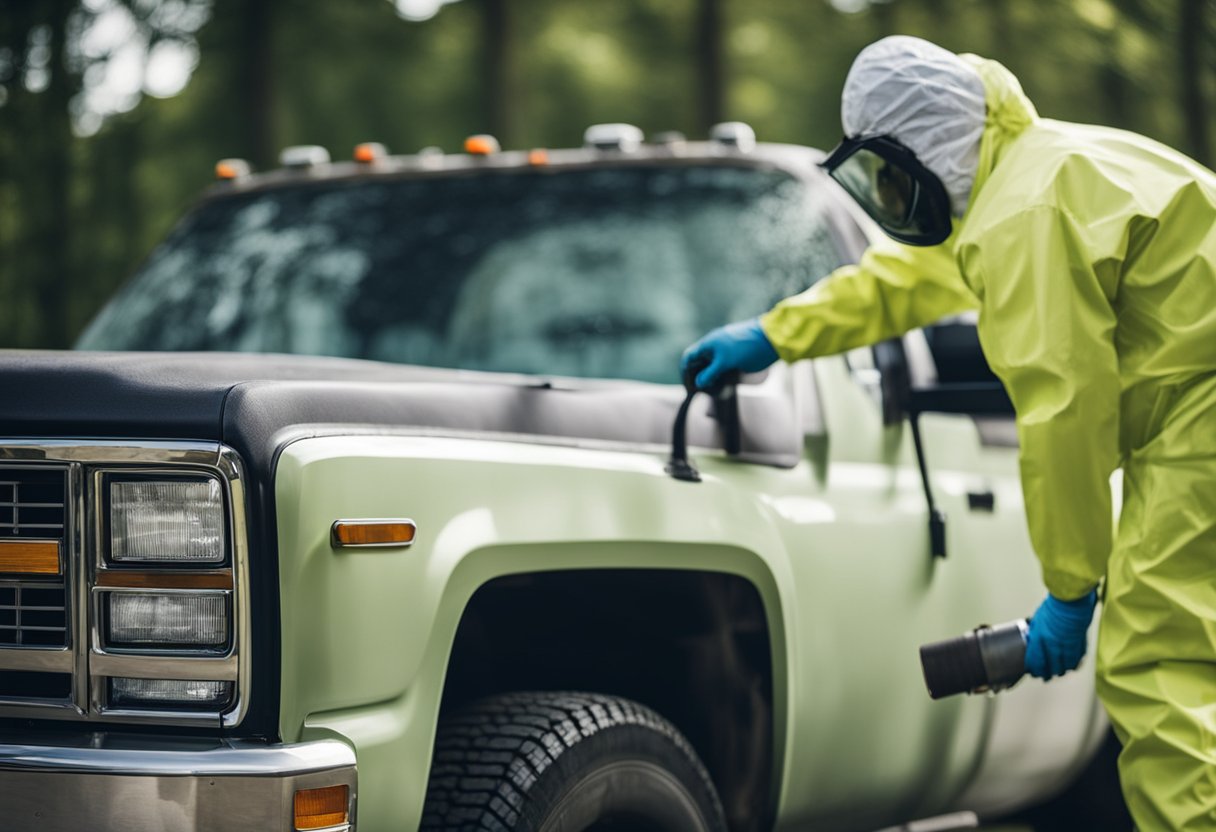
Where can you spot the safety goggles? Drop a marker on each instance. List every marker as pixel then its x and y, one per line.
pixel 899 193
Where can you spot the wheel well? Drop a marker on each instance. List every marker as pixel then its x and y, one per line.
pixel 693 646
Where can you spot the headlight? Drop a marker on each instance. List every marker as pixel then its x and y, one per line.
pixel 169 619
pixel 176 521
pixel 168 692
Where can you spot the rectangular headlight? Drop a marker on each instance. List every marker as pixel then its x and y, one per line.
pixel 174 693
pixel 168 619
pixel 180 521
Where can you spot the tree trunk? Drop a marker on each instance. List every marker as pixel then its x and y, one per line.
pixel 710 81
pixel 255 50
pixel 51 221
pixel 15 125
pixel 1192 35
pixel 1115 89
pixel 886 18
pixel 496 73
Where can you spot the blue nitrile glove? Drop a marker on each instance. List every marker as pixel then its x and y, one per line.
pixel 1056 640
pixel 739 346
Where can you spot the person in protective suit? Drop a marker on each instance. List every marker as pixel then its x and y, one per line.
pixel 1090 255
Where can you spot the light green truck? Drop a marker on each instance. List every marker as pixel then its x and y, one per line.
pixel 250 579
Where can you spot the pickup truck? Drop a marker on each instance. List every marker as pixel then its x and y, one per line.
pixel 365 505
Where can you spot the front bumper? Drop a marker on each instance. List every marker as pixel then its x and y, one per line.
pixel 106 782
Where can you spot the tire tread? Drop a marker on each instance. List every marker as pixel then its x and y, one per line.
pixel 489 754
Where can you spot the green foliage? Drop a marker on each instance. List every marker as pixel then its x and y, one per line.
pixel 78 212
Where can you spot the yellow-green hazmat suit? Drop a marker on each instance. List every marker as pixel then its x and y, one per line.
pixel 1090 254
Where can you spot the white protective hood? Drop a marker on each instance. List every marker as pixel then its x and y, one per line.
pixel 926 98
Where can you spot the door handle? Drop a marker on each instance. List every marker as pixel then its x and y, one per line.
pixel 983 500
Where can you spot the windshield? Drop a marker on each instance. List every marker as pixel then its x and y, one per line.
pixel 606 273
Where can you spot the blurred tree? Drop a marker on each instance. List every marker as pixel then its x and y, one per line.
pixel 51 227
pixel 497 87
pixel 42 89
pixel 709 60
pixel 51 238
pixel 1193 36
pixel 253 57
pixel 77 209
pixel 236 104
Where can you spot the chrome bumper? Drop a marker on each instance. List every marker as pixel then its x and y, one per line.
pixel 165 784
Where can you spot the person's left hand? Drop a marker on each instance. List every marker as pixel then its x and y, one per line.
pixel 1056 640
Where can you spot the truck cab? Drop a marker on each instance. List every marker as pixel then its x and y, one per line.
pixel 352 510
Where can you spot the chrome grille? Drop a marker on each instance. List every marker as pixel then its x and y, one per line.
pixel 33 614
pixel 34 610
pixel 32 503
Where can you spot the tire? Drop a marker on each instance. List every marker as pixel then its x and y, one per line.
pixel 566 762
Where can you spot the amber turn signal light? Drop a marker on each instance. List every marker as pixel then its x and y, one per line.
pixel 322 808
pixel 374 532
pixel 29 557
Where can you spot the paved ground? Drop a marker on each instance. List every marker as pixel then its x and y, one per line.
pixel 1093 802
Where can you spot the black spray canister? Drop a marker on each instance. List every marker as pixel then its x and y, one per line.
pixel 985 659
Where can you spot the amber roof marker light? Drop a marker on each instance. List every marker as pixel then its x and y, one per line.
pixel 368 153
pixel 231 169
pixel 379 533
pixel 481 145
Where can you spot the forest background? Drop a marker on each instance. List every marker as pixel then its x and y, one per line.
pixel 114 112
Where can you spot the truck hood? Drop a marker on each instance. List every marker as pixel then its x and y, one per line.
pixel 255 403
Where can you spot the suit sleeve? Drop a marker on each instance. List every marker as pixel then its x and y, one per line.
pixel 894 289
pixel 1047 328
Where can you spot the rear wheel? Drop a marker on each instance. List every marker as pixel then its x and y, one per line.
pixel 566 762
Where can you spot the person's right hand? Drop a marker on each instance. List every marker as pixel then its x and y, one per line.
pixel 739 346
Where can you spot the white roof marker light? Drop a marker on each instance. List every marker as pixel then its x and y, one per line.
pixel 734 134
pixel 430 157
pixel 303 156
pixel 623 137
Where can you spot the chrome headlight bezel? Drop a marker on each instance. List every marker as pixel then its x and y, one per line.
pixel 86 663
pixel 109 660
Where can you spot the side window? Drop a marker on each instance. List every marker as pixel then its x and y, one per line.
pixel 957 356
pixel 947 352
pixel 944 355
pixel 863 368
pixel 807 405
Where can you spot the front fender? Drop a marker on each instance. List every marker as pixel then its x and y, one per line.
pixel 366 634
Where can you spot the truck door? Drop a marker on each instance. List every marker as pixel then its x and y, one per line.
pixel 872 591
